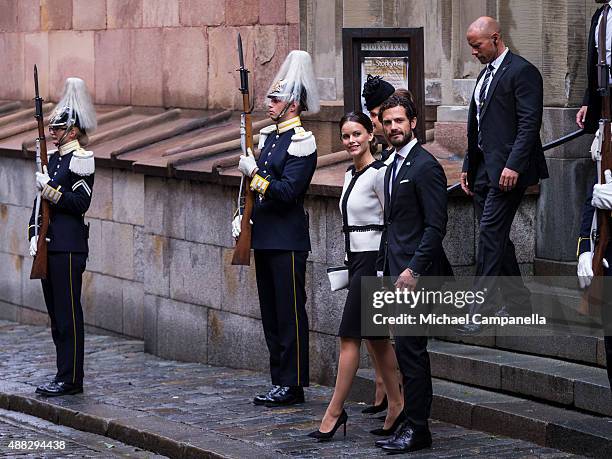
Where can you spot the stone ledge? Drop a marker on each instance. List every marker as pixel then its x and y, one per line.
pixel 132 427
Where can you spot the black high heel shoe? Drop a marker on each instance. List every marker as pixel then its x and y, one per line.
pixel 326 436
pixel 373 409
pixel 391 430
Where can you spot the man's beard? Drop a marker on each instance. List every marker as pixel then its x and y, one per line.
pixel 407 137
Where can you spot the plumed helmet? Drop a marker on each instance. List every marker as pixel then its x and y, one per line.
pixel 74 108
pixel 295 81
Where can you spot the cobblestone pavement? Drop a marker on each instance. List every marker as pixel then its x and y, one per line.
pixel 217 402
pixel 24 436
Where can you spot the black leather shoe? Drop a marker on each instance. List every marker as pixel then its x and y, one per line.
pixel 471 329
pixel 59 388
pixel 286 395
pixel 408 440
pixel 261 399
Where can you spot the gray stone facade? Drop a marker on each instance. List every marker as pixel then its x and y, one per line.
pixel 159 266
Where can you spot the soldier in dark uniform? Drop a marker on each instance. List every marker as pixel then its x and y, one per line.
pixel 67 184
pixel 280 235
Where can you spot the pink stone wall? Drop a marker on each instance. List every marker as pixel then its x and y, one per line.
pixel 179 53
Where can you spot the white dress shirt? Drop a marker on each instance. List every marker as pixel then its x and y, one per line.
pixel 496 64
pixel 403 153
pixel 608 35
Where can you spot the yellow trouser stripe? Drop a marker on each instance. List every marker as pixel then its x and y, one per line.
pixel 73 323
pixel 297 330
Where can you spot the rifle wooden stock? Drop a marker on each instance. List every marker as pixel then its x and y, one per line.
pixel 39 266
pixel 242 251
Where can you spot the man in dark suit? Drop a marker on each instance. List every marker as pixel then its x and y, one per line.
pixel 504 157
pixel 599 196
pixel 411 247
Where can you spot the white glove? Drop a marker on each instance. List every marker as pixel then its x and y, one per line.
pixel 596 148
pixel 247 165
pixel 33 246
pixel 42 179
pixel 602 194
pixel 379 274
pixel 236 228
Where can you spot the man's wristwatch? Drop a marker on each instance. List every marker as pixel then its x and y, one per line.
pixel 414 274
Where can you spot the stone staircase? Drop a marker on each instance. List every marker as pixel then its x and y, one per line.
pixel 550 389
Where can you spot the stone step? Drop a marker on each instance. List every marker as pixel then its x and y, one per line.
pixel 502 414
pixel 578 345
pixel 559 304
pixel 568 384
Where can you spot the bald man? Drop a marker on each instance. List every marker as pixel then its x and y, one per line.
pixel 504 157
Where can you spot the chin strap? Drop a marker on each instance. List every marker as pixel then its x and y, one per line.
pixel 282 113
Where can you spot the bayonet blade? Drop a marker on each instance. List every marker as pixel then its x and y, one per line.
pixel 36 80
pixel 240 56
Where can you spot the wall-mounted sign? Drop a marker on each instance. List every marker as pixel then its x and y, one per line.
pixel 396 54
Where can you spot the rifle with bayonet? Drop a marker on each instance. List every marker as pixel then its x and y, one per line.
pixel 39 266
pixel 246 196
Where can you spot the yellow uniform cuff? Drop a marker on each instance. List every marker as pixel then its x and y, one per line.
pixel 259 184
pixel 51 194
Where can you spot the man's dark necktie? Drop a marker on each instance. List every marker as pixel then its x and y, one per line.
pixel 483 88
pixel 603 77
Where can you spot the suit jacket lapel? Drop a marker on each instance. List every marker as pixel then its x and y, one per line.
pixel 403 170
pixel 387 178
pixel 499 73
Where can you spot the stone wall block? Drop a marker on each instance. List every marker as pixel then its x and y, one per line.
pixel 102 300
pixel 150 323
pixel 102 195
pixel 12 53
pixel 96 250
pixel 557 122
pixel 71 54
pixel 17 185
pixel 318 230
pixel 185 49
pixel 334 238
pixel 181 331
pixel 31 317
pixel 112 51
pixel 133 309
pixel 89 14
pixel 146 47
pixel 8 311
pixel 292 10
pixel 209 213
pixel 236 341
pixel 523 230
pixel 270 53
pixel 9 20
pixel 14 223
pixel 140 266
pixel 239 287
pixel 10 278
pixel 28 15
pixel 323 358
pixel 164 217
pixel 118 250
pixel 31 289
pixel 157 262
pixel 325 310
pixel 222 71
pixel 242 12
pixel 124 14
pixel 459 241
pixel 359 13
pixel 201 13
pixel 36 52
pixel 195 273
pixel 56 14
pixel 156 13
pixel 272 12
pixel 128 197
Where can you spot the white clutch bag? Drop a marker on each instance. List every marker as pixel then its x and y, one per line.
pixel 338 277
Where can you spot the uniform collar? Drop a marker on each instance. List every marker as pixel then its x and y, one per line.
pixel 69 147
pixel 288 124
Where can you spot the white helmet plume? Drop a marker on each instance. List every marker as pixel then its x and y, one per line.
pixel 295 81
pixel 75 107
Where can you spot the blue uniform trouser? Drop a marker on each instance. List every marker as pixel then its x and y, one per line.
pixel 281 277
pixel 62 291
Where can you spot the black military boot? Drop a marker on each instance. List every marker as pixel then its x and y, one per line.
pixel 286 395
pixel 261 399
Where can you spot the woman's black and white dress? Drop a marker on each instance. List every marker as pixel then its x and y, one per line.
pixel 361 205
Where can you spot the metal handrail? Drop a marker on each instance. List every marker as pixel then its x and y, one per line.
pixel 547 146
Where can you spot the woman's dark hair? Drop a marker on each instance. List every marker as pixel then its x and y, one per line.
pixel 398 101
pixel 358 117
